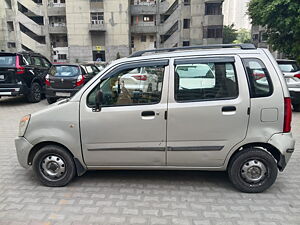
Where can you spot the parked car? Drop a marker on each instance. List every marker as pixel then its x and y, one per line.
pixel 231 124
pixel 23 73
pixel 291 72
pixel 64 80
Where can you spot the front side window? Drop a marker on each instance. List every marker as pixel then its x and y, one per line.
pixel 37 61
pixel 133 86
pixel 205 81
pixel 259 78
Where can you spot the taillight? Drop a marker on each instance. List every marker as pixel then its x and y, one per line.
pixel 47 80
pixel 140 77
pixel 297 75
pixel 80 80
pixel 20 69
pixel 287 115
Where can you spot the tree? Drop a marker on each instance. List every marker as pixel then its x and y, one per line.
pixel 229 34
pixel 282 21
pixel 243 36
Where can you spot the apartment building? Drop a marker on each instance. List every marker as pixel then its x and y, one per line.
pixel 89 30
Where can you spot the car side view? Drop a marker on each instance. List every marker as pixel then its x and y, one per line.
pixel 209 110
pixel 23 73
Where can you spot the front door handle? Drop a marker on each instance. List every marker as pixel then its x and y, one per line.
pixel 228 108
pixel 148 113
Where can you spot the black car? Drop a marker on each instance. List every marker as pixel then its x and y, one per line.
pixel 23 73
pixel 64 80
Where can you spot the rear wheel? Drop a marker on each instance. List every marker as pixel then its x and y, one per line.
pixel 35 93
pixel 51 100
pixel 54 166
pixel 252 170
pixel 296 107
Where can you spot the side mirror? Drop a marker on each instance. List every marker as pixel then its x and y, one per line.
pixel 98 101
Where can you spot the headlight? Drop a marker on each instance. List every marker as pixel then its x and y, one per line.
pixel 23 125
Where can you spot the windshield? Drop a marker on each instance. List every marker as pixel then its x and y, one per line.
pixel 7 61
pixel 289 67
pixel 64 71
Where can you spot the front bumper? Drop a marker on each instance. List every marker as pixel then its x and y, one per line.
pixel 23 148
pixel 285 143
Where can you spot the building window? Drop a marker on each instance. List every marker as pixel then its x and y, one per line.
pixel 148 18
pixel 96 0
pixel 185 43
pixel 62 56
pixel 132 41
pixel 187 2
pixel 186 23
pixel 10 26
pixel 213 32
pixel 143 38
pixel 151 38
pixel 255 37
pixel 11 44
pixel 213 8
pixel 97 18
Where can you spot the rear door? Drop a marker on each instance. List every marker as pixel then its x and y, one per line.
pixel 64 76
pixel 207 110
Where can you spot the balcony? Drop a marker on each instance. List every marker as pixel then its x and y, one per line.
pixel 57 11
pixel 96 6
pixel 58 29
pixel 144 28
pixel 97 26
pixel 143 9
pixel 211 20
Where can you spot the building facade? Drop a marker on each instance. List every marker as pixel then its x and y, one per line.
pixel 90 30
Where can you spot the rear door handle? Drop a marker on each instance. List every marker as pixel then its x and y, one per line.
pixel 148 113
pixel 228 108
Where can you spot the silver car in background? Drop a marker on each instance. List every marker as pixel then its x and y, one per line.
pixel 291 72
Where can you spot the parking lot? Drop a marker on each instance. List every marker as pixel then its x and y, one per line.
pixel 137 197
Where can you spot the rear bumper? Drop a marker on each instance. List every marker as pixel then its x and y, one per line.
pixel 295 96
pixel 54 93
pixel 285 143
pixel 13 89
pixel 23 148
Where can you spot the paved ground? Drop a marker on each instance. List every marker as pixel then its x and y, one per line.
pixel 138 197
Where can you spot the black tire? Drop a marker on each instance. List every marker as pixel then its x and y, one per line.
pixel 51 100
pixel 35 93
pixel 296 107
pixel 255 157
pixel 46 159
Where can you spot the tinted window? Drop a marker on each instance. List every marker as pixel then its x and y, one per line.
pixel 259 78
pixel 37 61
pixel 26 60
pixel 9 61
pixel 46 63
pixel 64 71
pixel 135 86
pixel 205 81
pixel 289 66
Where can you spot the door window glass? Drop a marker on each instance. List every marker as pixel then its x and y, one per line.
pixel 205 81
pixel 134 86
pixel 46 63
pixel 259 79
pixel 37 61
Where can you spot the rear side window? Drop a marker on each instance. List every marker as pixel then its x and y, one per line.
pixel 205 81
pixel 258 77
pixel 46 63
pixel 7 61
pixel 289 66
pixel 37 61
pixel 64 71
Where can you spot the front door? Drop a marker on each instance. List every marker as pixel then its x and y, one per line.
pixel 207 110
pixel 130 129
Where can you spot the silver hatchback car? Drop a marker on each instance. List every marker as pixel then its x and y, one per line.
pixel 235 115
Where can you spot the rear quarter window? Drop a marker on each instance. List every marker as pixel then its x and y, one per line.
pixel 258 77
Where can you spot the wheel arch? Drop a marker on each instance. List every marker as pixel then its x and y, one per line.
pixel 264 146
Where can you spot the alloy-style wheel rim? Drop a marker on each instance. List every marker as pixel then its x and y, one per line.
pixel 253 171
pixel 36 92
pixel 53 167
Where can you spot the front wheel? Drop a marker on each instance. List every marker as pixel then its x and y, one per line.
pixel 252 170
pixel 54 166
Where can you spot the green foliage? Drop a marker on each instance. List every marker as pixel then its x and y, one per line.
pixel 243 36
pixel 282 21
pixel 229 34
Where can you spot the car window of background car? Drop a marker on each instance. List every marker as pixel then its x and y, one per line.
pixel 131 87
pixel 204 81
pixel 289 67
pixel 7 61
pixel 64 71
pixel 259 78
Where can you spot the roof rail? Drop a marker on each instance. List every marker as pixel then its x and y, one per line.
pixel 242 46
